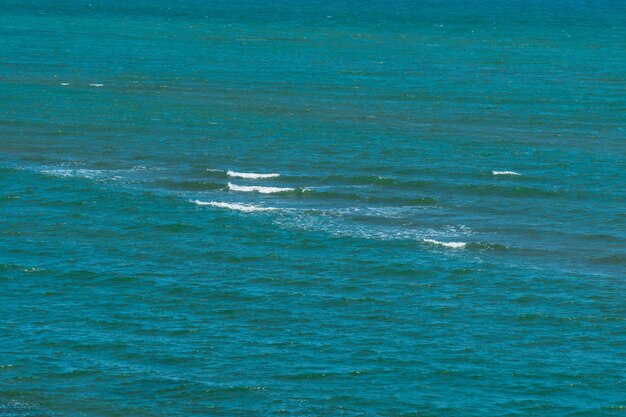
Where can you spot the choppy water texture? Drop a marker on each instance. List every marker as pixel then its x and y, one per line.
pixel 254 208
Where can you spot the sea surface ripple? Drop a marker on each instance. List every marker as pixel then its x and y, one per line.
pixel 262 208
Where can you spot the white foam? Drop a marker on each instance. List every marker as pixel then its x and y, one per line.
pixel 65 83
pixel 453 245
pixel 96 85
pixel 258 189
pixel 248 208
pixel 83 173
pixel 250 175
pixel 92 174
pixel 505 173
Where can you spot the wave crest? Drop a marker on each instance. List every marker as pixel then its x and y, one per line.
pixel 505 173
pixel 250 175
pixel 258 189
pixel 247 208
pixel 453 245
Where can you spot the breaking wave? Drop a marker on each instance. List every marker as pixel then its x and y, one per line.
pixel 258 189
pixel 505 173
pixel 247 208
pixel 453 245
pixel 250 175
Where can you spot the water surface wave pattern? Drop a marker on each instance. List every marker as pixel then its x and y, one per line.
pixel 261 208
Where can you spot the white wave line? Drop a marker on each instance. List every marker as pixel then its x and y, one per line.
pixel 258 189
pixel 505 173
pixel 453 245
pixel 250 175
pixel 247 208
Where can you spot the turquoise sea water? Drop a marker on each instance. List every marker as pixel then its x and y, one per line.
pixel 444 235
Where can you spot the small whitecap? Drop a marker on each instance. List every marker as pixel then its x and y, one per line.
pixel 96 85
pixel 453 245
pixel 258 189
pixel 247 208
pixel 250 175
pixel 505 173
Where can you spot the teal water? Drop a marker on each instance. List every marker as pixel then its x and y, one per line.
pixel 444 235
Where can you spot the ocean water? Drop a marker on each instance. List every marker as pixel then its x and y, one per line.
pixel 327 208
